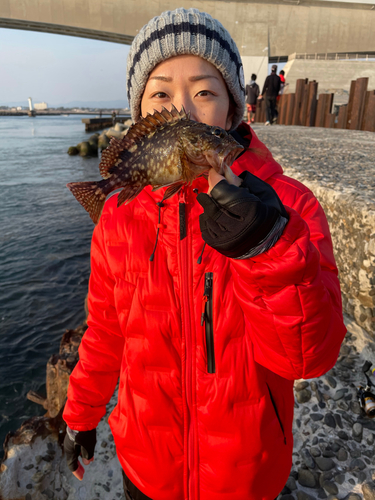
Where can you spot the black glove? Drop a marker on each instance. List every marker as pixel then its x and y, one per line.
pixel 238 219
pixel 83 445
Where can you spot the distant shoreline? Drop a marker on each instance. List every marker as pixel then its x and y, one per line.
pixel 125 114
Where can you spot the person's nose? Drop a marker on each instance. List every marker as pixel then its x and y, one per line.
pixel 184 100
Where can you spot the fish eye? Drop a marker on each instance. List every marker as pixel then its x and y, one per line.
pixel 218 132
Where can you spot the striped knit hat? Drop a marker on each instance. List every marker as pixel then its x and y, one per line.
pixel 179 32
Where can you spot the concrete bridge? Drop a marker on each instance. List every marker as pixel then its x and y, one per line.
pixel 262 29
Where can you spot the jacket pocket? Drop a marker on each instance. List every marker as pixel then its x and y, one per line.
pixel 276 412
pixel 207 321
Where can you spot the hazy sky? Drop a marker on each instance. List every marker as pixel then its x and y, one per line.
pixel 59 69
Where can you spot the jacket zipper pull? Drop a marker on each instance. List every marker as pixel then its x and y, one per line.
pixel 203 315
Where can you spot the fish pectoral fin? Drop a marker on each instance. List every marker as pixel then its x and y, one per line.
pixel 129 193
pixel 172 190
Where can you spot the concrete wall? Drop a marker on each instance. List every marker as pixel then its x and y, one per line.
pixel 331 75
pixel 285 27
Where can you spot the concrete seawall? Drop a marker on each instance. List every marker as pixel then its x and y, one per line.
pixel 339 167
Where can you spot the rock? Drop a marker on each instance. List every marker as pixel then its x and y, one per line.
pixel 329 420
pixel 103 142
pixel 291 483
pixel 86 149
pixel 354 406
pixel 357 464
pixel 301 495
pixel 299 386
pixel 73 151
pixel 368 490
pixel 342 455
pixel 315 452
pixel 343 435
pixel 307 458
pixel 330 487
pixel 340 478
pixel 324 464
pixel 303 396
pixel 352 496
pixel 338 420
pixel 339 394
pixel 306 478
pixel 357 432
pixel 316 416
pixel 331 381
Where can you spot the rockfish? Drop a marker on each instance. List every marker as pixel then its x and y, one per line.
pixel 163 149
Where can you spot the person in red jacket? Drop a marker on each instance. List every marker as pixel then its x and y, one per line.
pixel 240 298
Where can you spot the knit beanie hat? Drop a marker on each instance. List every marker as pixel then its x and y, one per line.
pixel 179 32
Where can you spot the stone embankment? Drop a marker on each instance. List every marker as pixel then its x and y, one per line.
pixel 339 167
pixel 98 141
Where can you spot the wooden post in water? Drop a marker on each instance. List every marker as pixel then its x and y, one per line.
pixel 300 87
pixel 350 103
pixel 305 101
pixel 369 113
pixel 358 103
pixel 311 105
pixel 289 109
pixel 341 119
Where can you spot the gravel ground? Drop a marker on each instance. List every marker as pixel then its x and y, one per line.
pixel 343 160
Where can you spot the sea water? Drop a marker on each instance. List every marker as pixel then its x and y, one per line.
pixel 44 253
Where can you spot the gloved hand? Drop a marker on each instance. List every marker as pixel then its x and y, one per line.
pixel 77 444
pixel 244 221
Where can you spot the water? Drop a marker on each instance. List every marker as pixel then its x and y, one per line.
pixel 44 253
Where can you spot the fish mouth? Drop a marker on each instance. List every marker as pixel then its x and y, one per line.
pixel 220 159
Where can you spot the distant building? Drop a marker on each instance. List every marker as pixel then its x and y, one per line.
pixel 19 108
pixel 40 105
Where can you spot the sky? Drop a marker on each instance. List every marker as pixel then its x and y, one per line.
pixel 58 69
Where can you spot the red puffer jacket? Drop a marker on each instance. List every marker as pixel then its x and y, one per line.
pixel 206 352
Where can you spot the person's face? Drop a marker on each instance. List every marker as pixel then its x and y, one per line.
pixel 192 82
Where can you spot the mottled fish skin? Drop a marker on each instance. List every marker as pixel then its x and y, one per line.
pixel 163 149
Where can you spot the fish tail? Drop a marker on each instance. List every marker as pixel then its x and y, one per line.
pixel 91 195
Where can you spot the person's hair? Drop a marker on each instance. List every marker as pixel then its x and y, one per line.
pixel 282 72
pixel 181 32
pixel 254 77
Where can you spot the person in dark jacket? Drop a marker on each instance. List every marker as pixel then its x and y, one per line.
pixel 271 89
pixel 240 298
pixel 252 94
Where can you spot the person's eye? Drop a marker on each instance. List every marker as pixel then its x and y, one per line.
pixel 205 93
pixel 160 95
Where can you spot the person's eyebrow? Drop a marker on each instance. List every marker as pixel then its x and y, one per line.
pixel 161 78
pixel 196 78
pixel 201 77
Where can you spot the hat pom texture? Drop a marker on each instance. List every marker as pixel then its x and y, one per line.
pixel 181 32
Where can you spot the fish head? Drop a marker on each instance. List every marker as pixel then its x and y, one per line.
pixel 209 146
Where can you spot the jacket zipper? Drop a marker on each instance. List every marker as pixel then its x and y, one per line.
pixel 277 413
pixel 189 345
pixel 207 320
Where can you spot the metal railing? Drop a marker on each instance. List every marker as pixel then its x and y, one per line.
pixel 334 56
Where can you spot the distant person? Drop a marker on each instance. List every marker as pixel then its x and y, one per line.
pixel 271 90
pixel 113 118
pixel 252 93
pixel 282 84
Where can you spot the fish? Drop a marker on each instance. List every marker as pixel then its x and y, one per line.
pixel 163 149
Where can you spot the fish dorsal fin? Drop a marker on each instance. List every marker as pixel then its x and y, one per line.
pixel 135 134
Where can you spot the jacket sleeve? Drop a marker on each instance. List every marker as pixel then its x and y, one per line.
pixel 291 296
pixel 94 378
